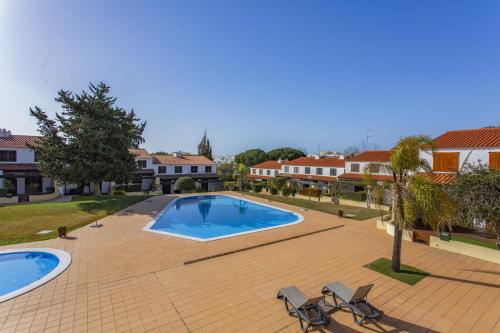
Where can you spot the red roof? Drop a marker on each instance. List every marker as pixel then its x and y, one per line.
pixel 19 166
pixel 182 160
pixel 18 141
pixel 360 176
pixel 440 178
pixel 320 162
pixel 309 177
pixel 140 153
pixel 268 165
pixel 372 156
pixel 470 138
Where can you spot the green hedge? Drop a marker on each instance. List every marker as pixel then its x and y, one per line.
pixel 257 187
pixel 356 196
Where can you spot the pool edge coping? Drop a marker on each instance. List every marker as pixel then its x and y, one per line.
pixel 65 260
pixel 300 218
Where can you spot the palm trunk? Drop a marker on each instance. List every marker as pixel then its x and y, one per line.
pixel 396 249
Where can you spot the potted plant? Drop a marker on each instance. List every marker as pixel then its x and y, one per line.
pixel 62 231
pixel 340 213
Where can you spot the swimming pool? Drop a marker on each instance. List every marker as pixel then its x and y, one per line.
pixel 210 217
pixel 22 270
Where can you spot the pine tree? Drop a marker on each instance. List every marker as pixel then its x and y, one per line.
pixel 204 147
pixel 89 141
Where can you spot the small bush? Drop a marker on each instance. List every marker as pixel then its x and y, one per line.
pixel 273 190
pixel 355 196
pixel 257 187
pixel 119 192
pixel 287 191
pixel 185 185
pixel 3 192
pixel 230 185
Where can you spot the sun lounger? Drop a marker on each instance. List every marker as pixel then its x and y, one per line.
pixel 356 302
pixel 310 311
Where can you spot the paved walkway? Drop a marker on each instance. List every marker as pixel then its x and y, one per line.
pixel 123 279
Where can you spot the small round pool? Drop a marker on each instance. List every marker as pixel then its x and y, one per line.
pixel 22 270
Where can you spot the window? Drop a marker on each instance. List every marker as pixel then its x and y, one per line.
pixel 208 169
pixel 194 169
pixel 319 171
pixel 295 169
pixel 355 167
pixel 445 162
pixel 162 169
pixel 333 172
pixel 261 171
pixel 254 171
pixel 268 172
pixel 8 156
pixel 286 169
pixel 494 161
pixel 374 168
pixel 178 169
pixel 308 170
pixel 275 172
pixel 141 164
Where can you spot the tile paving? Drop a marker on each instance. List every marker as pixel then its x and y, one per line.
pixel 123 279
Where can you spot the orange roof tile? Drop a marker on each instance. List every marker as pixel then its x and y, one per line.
pixel 182 160
pixel 140 153
pixel 373 156
pixel 360 176
pixel 19 166
pixel 268 165
pixel 440 178
pixel 320 162
pixel 18 141
pixel 469 138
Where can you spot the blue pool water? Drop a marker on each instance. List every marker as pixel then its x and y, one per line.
pixel 19 269
pixel 208 217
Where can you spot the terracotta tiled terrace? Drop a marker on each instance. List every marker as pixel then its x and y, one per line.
pixel 123 279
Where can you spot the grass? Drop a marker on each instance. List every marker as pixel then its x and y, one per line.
pixel 325 207
pixel 408 274
pixel 20 223
pixel 473 241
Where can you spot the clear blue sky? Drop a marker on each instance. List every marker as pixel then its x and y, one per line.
pixel 260 73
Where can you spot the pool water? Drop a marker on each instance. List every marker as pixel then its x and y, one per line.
pixel 20 269
pixel 209 217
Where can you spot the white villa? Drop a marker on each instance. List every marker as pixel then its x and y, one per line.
pixel 265 170
pixel 454 149
pixel 374 162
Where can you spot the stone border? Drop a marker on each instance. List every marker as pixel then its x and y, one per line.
pixel 64 261
pixel 148 227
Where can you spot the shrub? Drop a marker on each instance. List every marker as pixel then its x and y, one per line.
pixel 356 196
pixel 3 192
pixel 119 192
pixel 229 185
pixel 185 185
pixel 314 192
pixel 287 191
pixel 273 190
pixel 257 187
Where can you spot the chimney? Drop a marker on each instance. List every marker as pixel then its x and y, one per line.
pixel 177 154
pixel 5 134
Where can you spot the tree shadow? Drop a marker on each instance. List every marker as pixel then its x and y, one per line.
pixel 69 238
pixel 479 283
pixel 481 271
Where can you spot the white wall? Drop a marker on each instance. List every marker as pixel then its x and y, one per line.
pixel 364 166
pixel 302 170
pixel 186 169
pixel 474 155
pixel 24 155
pixel 273 172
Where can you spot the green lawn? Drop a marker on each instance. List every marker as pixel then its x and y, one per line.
pixel 20 223
pixel 408 274
pixel 479 242
pixel 325 207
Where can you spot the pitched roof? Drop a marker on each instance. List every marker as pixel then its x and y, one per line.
pixel 469 138
pixel 320 162
pixel 182 160
pixel 18 141
pixel 372 156
pixel 439 178
pixel 268 165
pixel 360 176
pixel 19 166
pixel 139 152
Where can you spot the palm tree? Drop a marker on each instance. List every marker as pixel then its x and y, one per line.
pixel 412 194
pixel 241 173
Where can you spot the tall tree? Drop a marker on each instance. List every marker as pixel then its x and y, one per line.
pixel 414 195
pixel 285 153
pixel 204 147
pixel 89 141
pixel 251 157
